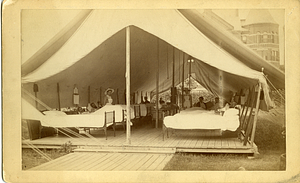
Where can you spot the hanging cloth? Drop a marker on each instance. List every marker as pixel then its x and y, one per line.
pixel 76 96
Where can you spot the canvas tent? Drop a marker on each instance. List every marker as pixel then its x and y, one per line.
pixel 90 53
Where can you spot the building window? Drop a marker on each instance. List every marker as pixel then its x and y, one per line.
pixel 277 55
pixel 276 38
pixel 272 37
pixel 265 37
pixel 273 55
pixel 258 37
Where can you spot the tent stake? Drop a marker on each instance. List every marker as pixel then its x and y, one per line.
pixel 256 113
pixel 128 140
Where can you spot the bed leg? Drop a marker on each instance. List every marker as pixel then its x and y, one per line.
pixel 105 133
pixel 114 128
pixel 164 129
pixel 168 133
pixel 123 124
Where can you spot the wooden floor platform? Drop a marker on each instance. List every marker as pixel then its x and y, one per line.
pixel 149 139
pixel 98 161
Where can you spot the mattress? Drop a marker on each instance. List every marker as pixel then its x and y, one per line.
pixel 195 118
pixel 94 120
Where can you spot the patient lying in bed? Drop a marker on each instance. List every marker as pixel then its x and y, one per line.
pixel 195 118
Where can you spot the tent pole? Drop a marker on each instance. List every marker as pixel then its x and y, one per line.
pixel 173 76
pixel 100 97
pixel 190 68
pixel 128 140
pixel 117 93
pixel 35 89
pixel 58 96
pixel 157 85
pixel 89 94
pixel 182 86
pixel 256 113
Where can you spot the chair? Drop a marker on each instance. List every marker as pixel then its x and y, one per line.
pixel 137 114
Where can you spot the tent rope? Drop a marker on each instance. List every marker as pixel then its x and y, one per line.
pixel 37 100
pixel 274 87
pixel 33 147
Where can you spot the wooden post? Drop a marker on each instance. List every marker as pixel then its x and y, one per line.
pixel 182 86
pixel 128 110
pixel 190 68
pixel 100 96
pixel 117 93
pixel 173 76
pixel 89 94
pixel 35 89
pixel 256 113
pixel 173 94
pixel 157 86
pixel 58 96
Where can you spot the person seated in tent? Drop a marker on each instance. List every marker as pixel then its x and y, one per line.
pixel 146 101
pixel 91 107
pixel 161 101
pixel 108 99
pixel 201 103
pixel 94 107
pixel 216 106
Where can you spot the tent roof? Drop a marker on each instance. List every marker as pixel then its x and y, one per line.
pixel 258 16
pixel 93 53
pixel 235 47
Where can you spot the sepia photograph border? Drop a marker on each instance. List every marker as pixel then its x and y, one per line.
pixel 11 94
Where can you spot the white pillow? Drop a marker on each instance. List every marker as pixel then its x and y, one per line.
pixel 231 112
pixel 54 113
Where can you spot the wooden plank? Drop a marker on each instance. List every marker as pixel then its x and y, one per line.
pixel 68 156
pixel 157 141
pixel 103 162
pixel 58 162
pixel 231 143
pixel 214 150
pixel 193 141
pixel 100 157
pixel 218 143
pixel 71 163
pixel 130 160
pixel 143 138
pixel 188 141
pixel 211 143
pixel 156 163
pixel 150 161
pixel 199 143
pixel 162 165
pixel 205 143
pixel 115 161
pixel 138 159
pixel 82 162
pixel 225 143
pixel 137 165
pixel 120 162
pixel 85 162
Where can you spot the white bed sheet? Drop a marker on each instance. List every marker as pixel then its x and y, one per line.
pixel 95 120
pixel 202 119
